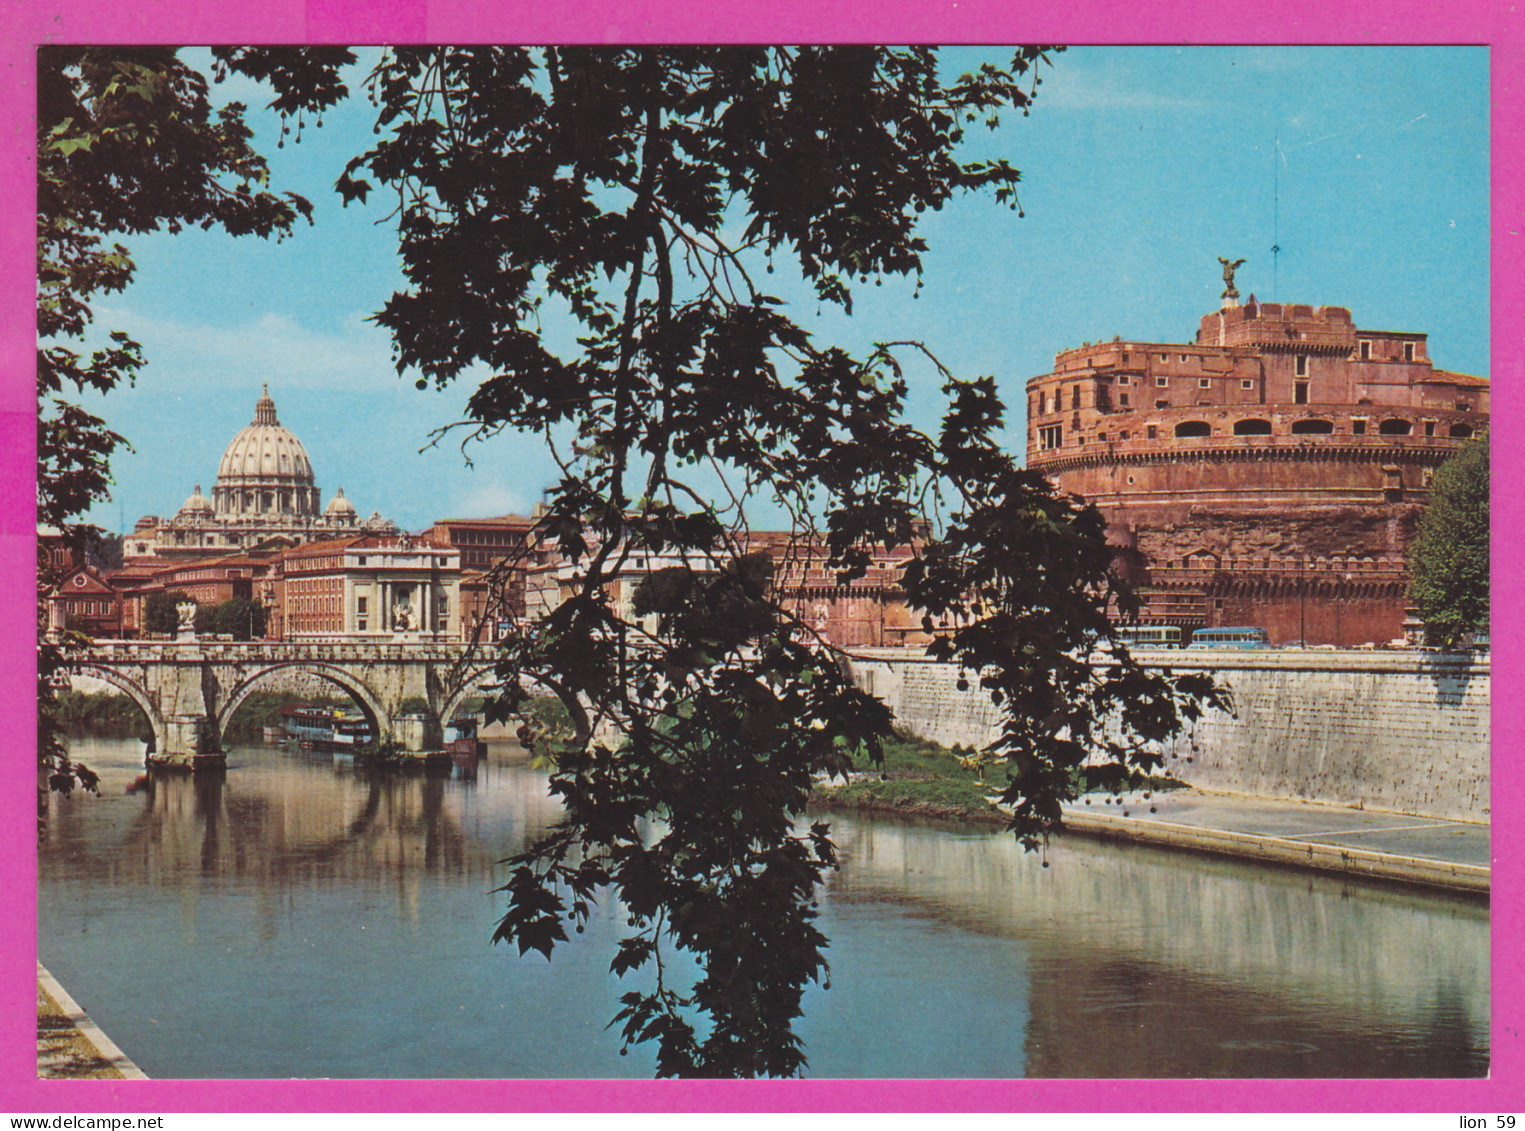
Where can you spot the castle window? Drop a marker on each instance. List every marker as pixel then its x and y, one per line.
pixel 1357 426
pixel 1302 365
pixel 1124 379
pixel 1463 406
pixel 1122 435
pixel 1300 392
pixel 1312 427
pixel 1161 404
pixel 1122 400
pixel 1162 382
pixel 1395 428
pixel 1365 350
pixel 1075 397
pixel 1204 383
pixel 1461 431
pixel 1184 359
pixel 1050 437
pixel 1188 429
pixel 1164 357
pixel 1153 432
pixel 1408 351
pixel 1247 384
pixel 1252 427
pixel 1042 403
pixel 1429 428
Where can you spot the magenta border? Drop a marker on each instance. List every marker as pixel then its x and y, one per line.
pixel 1492 22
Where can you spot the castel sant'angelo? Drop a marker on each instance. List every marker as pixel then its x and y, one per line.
pixel 1269 473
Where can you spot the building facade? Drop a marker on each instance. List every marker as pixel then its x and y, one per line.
pixel 367 587
pixel 1269 473
pixel 265 494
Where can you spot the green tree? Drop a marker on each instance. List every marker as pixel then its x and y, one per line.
pixel 242 618
pixel 128 143
pixel 648 193
pixel 1448 559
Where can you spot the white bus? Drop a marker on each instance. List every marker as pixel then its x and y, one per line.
pixel 1149 635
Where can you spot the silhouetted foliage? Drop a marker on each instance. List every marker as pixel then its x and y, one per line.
pixel 1449 557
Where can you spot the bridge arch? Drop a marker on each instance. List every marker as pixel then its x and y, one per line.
pixel 133 691
pixel 370 706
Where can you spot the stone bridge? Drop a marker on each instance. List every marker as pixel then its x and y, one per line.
pixel 191 689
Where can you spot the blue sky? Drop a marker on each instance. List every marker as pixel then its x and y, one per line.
pixel 1367 166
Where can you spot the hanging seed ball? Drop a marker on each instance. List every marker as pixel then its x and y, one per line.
pixel 580 928
pixel 1152 809
pixel 1146 795
pixel 1125 812
pixel 1045 863
pixel 1088 800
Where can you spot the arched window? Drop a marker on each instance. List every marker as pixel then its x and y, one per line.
pixel 1252 427
pixel 1394 428
pixel 1312 427
pixel 1191 428
pixel 1461 431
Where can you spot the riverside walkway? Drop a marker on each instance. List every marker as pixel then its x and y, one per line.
pixel 69 1045
pixel 1426 851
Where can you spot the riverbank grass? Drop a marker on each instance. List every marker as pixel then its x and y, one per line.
pixel 919 776
pixel 923 778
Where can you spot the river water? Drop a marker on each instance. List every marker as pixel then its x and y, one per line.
pixel 298 919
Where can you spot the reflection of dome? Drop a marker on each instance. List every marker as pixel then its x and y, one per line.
pixel 265 470
pixel 339 505
pixel 197 504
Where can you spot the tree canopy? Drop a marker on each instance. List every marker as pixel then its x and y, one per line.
pixel 648 193
pixel 1448 559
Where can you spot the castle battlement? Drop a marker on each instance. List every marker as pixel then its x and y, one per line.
pixel 1282 433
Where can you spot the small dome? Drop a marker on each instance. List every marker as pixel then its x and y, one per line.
pixel 339 506
pixel 197 503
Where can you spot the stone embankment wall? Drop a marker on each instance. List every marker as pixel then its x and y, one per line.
pixel 1402 731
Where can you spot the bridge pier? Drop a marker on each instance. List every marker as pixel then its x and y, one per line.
pixel 417 733
pixel 189 741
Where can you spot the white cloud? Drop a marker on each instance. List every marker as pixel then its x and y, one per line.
pixel 491 499
pixel 1096 90
pixel 350 356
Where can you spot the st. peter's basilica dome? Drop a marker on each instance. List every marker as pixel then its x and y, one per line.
pixel 265 470
pixel 265 494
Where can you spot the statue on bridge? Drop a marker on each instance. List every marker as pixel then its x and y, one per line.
pixel 185 627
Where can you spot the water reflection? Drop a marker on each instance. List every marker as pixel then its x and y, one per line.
pixel 262 893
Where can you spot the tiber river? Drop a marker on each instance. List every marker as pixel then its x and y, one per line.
pixel 297 919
